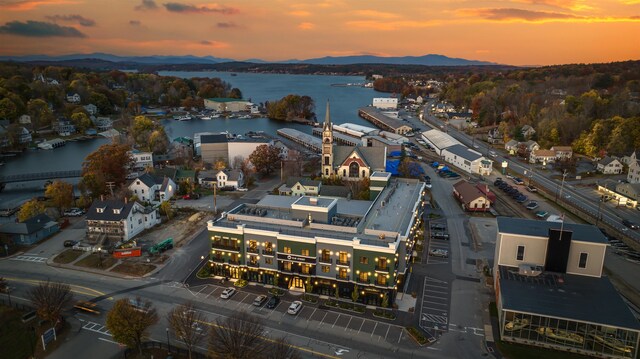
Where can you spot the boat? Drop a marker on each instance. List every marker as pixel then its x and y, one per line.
pixel 517 324
pixel 609 341
pixel 244 117
pixel 234 74
pixel 182 118
pixel 205 118
pixel 215 116
pixel 561 335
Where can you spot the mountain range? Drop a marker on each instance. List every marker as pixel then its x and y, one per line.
pixel 426 60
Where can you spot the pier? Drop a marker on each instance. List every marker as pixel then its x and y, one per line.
pixel 383 121
pixel 308 141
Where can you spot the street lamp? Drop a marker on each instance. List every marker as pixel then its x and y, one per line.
pixel 599 205
pixel 168 343
pixel 100 255
pixel 564 175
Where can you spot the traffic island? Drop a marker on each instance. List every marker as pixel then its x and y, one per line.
pixel 96 261
pixel 67 256
pixel 133 269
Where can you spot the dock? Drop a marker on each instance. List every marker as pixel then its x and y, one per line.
pixel 51 144
pixel 308 141
pixel 383 121
pixel 339 138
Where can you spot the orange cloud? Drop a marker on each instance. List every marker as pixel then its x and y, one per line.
pixel 529 16
pixel 30 5
pixel 306 26
pixel 390 25
pixel 376 14
pixel 575 5
pixel 299 13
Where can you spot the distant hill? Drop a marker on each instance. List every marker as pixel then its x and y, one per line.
pixel 426 60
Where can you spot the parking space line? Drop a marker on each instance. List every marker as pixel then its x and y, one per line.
pixel 334 323
pixel 436 303
pixel 400 337
pixel 322 321
pixel 374 329
pixel 347 326
pixel 314 312
pixel 214 289
pixel 200 291
pixel 437 297
pixel 241 300
pixel 363 320
pixel 385 336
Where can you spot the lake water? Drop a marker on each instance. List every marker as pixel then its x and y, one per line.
pixel 345 101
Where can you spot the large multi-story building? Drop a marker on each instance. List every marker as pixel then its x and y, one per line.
pixel 550 291
pixel 118 221
pixel 324 243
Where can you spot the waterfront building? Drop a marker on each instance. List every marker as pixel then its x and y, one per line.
pixel 227 104
pixel 113 220
pixel 439 140
pixel 385 103
pixel 550 291
pixel 384 121
pixel 467 160
pixel 331 246
pixel 221 146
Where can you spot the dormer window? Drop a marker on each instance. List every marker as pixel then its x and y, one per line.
pixel 100 209
pixel 116 211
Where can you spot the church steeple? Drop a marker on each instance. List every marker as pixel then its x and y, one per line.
pixel 327 145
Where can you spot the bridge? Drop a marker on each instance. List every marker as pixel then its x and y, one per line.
pixel 26 177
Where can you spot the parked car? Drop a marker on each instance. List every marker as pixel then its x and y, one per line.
pixel 628 223
pixel 439 235
pixel 191 196
pixel 542 214
pixel 532 205
pixel 497 182
pixel 443 253
pixel 522 198
pixel 493 154
pixel 227 293
pixel 517 181
pixel 243 189
pixel 69 243
pixel 273 302
pixel 259 301
pixel 73 212
pixel 438 227
pixel 295 307
pixel 532 189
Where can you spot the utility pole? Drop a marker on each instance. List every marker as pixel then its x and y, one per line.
pixel 564 175
pixel 111 185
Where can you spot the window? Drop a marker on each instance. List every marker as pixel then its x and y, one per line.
pixel 287 250
pixel 343 274
pixel 326 269
pixel 298 187
pixel 306 269
pixel 268 260
pixel 325 256
pixel 582 263
pixel 305 252
pixel 363 276
pixel 363 173
pixel 382 263
pixel 253 246
pixel 381 279
pixel 354 168
pixel 326 171
pixel 287 266
pixel 344 173
pixel 520 254
pixel 326 160
pixel 364 260
pixel 342 258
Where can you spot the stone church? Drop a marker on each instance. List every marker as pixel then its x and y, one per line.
pixel 347 162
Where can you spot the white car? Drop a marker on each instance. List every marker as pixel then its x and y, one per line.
pixel 73 212
pixel 295 307
pixel 493 154
pixel 227 293
pixel 439 253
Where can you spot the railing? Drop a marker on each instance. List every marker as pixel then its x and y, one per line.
pixel 234 262
pixel 268 252
pixel 255 265
pixel 343 263
pixel 363 281
pixel 381 283
pixel 325 260
pixel 253 250
pixel 384 268
pixel 215 245
pixel 217 260
pixel 342 277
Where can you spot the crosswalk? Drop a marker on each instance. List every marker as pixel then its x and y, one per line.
pixel 33 259
pixel 96 327
pixel 434 309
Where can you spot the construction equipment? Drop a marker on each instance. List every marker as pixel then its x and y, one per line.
pixel 161 247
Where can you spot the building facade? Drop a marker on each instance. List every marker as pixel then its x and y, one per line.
pixel 467 160
pixel 331 246
pixel 118 221
pixel 227 104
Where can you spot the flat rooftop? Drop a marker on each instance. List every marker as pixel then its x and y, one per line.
pixel 300 137
pixel 315 201
pixel 380 116
pixel 532 227
pixel 392 210
pixel 440 139
pixel 567 296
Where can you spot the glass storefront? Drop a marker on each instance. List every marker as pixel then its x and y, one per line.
pixel 573 336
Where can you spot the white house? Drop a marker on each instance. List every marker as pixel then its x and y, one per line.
pixel 142 160
pixel 296 186
pixel 385 103
pixel 153 189
pixel 563 152
pixel 24 120
pixel 119 220
pixel 609 166
pixel 230 178
pixel 91 109
pixel 633 176
pixel 73 98
pixel 527 131
pixel 467 160
pixel 543 156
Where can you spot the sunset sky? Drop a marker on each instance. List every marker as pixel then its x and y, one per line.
pixel 517 32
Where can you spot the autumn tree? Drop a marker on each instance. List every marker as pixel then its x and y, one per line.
pixel 219 164
pixel 165 207
pixel 128 324
pixel 50 298
pixel 186 323
pixel 30 209
pixel 109 163
pixel 148 135
pixel 8 109
pixel 81 121
pixel 291 107
pixel 60 194
pixel 265 159
pixel 237 337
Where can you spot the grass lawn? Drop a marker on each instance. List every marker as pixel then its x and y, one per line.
pixel 135 269
pixel 16 338
pixel 67 256
pixel 93 261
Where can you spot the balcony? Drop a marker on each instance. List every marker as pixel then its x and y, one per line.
pixel 268 252
pixel 382 268
pixel 236 262
pixel 342 277
pixel 217 260
pixel 218 245
pixel 381 283
pixel 325 260
pixel 343 263
pixel 363 281
pixel 253 264
pixel 253 250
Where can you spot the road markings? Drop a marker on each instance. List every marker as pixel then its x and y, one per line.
pixel 347 326
pixel 109 341
pixel 314 312
pixel 374 329
pixel 334 323
pixel 97 328
pixel 30 259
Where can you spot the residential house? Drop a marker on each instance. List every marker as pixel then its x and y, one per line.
pixel 207 179
pixel 230 179
pixel 24 120
pixel 531 145
pixel 563 152
pixel 118 221
pixel 470 197
pixel 629 190
pixel 550 291
pixel 64 127
pixel 149 188
pixel 141 160
pixel 298 186
pixel 527 131
pixel 284 150
pixel 73 98
pixel 609 166
pixel 91 109
pixel 543 156
pixel 24 136
pixel 31 231
pixel 495 136
pixel 467 160
pixel 102 123
pixel 511 146
pixel 633 176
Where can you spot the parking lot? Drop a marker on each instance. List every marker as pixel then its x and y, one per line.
pixel 438 248
pixel 310 317
pixel 434 306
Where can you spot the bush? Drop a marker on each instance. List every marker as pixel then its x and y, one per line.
pixel 331 303
pixel 241 283
pixel 386 314
pixel 309 298
pixel 277 292
pixel 417 335
pixel 204 272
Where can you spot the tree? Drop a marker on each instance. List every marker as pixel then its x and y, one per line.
pixel 355 294
pixel 385 300
pixel 81 121
pixel 148 135
pixel 281 349
pixel 8 109
pixel 186 324
pixel 109 163
pixel 60 193
pixel 165 207
pixel 219 164
pixel 265 158
pixel 50 298
pixel 30 209
pixel 237 337
pixel 40 113
pixel 129 324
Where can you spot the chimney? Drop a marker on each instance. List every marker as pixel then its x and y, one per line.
pixel 126 200
pixel 313 201
pixel 102 197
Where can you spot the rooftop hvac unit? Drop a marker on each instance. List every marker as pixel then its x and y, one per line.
pixel 529 270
